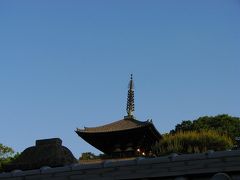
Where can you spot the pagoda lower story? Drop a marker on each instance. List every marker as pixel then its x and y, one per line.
pixel 124 138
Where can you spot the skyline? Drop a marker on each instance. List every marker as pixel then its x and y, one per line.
pixel 66 65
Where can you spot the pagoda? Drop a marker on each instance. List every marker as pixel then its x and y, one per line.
pixel 127 137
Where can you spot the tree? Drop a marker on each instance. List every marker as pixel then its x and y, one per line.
pixel 6 155
pixel 192 142
pixel 222 123
pixel 184 126
pixel 88 156
pixel 5 151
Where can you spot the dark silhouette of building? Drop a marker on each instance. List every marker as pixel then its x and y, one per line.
pixel 46 152
pixel 124 138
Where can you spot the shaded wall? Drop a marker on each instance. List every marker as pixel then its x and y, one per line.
pixel 212 165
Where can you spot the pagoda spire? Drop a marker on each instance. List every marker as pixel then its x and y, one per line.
pixel 130 99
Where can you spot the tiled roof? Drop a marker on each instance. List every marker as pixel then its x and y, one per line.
pixel 123 124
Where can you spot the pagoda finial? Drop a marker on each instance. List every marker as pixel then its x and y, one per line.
pixel 130 99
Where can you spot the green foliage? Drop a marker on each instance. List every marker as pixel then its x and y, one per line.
pixel 6 155
pixel 91 156
pixel 5 151
pixel 88 156
pixel 192 142
pixel 221 123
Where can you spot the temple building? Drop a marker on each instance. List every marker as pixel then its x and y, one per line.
pixel 127 137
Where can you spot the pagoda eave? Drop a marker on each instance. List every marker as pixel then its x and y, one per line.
pixel 123 140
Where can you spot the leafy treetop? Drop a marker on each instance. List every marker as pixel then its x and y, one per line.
pixel 223 123
pixel 5 152
pixel 6 155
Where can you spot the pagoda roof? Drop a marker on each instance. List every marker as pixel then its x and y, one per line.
pixel 120 125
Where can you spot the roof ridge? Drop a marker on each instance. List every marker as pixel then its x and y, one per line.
pixel 122 124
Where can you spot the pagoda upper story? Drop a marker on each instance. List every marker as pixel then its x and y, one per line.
pixel 123 138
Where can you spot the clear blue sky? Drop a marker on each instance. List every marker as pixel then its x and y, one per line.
pixel 66 64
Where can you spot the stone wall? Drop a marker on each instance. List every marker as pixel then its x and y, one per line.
pixel 212 165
